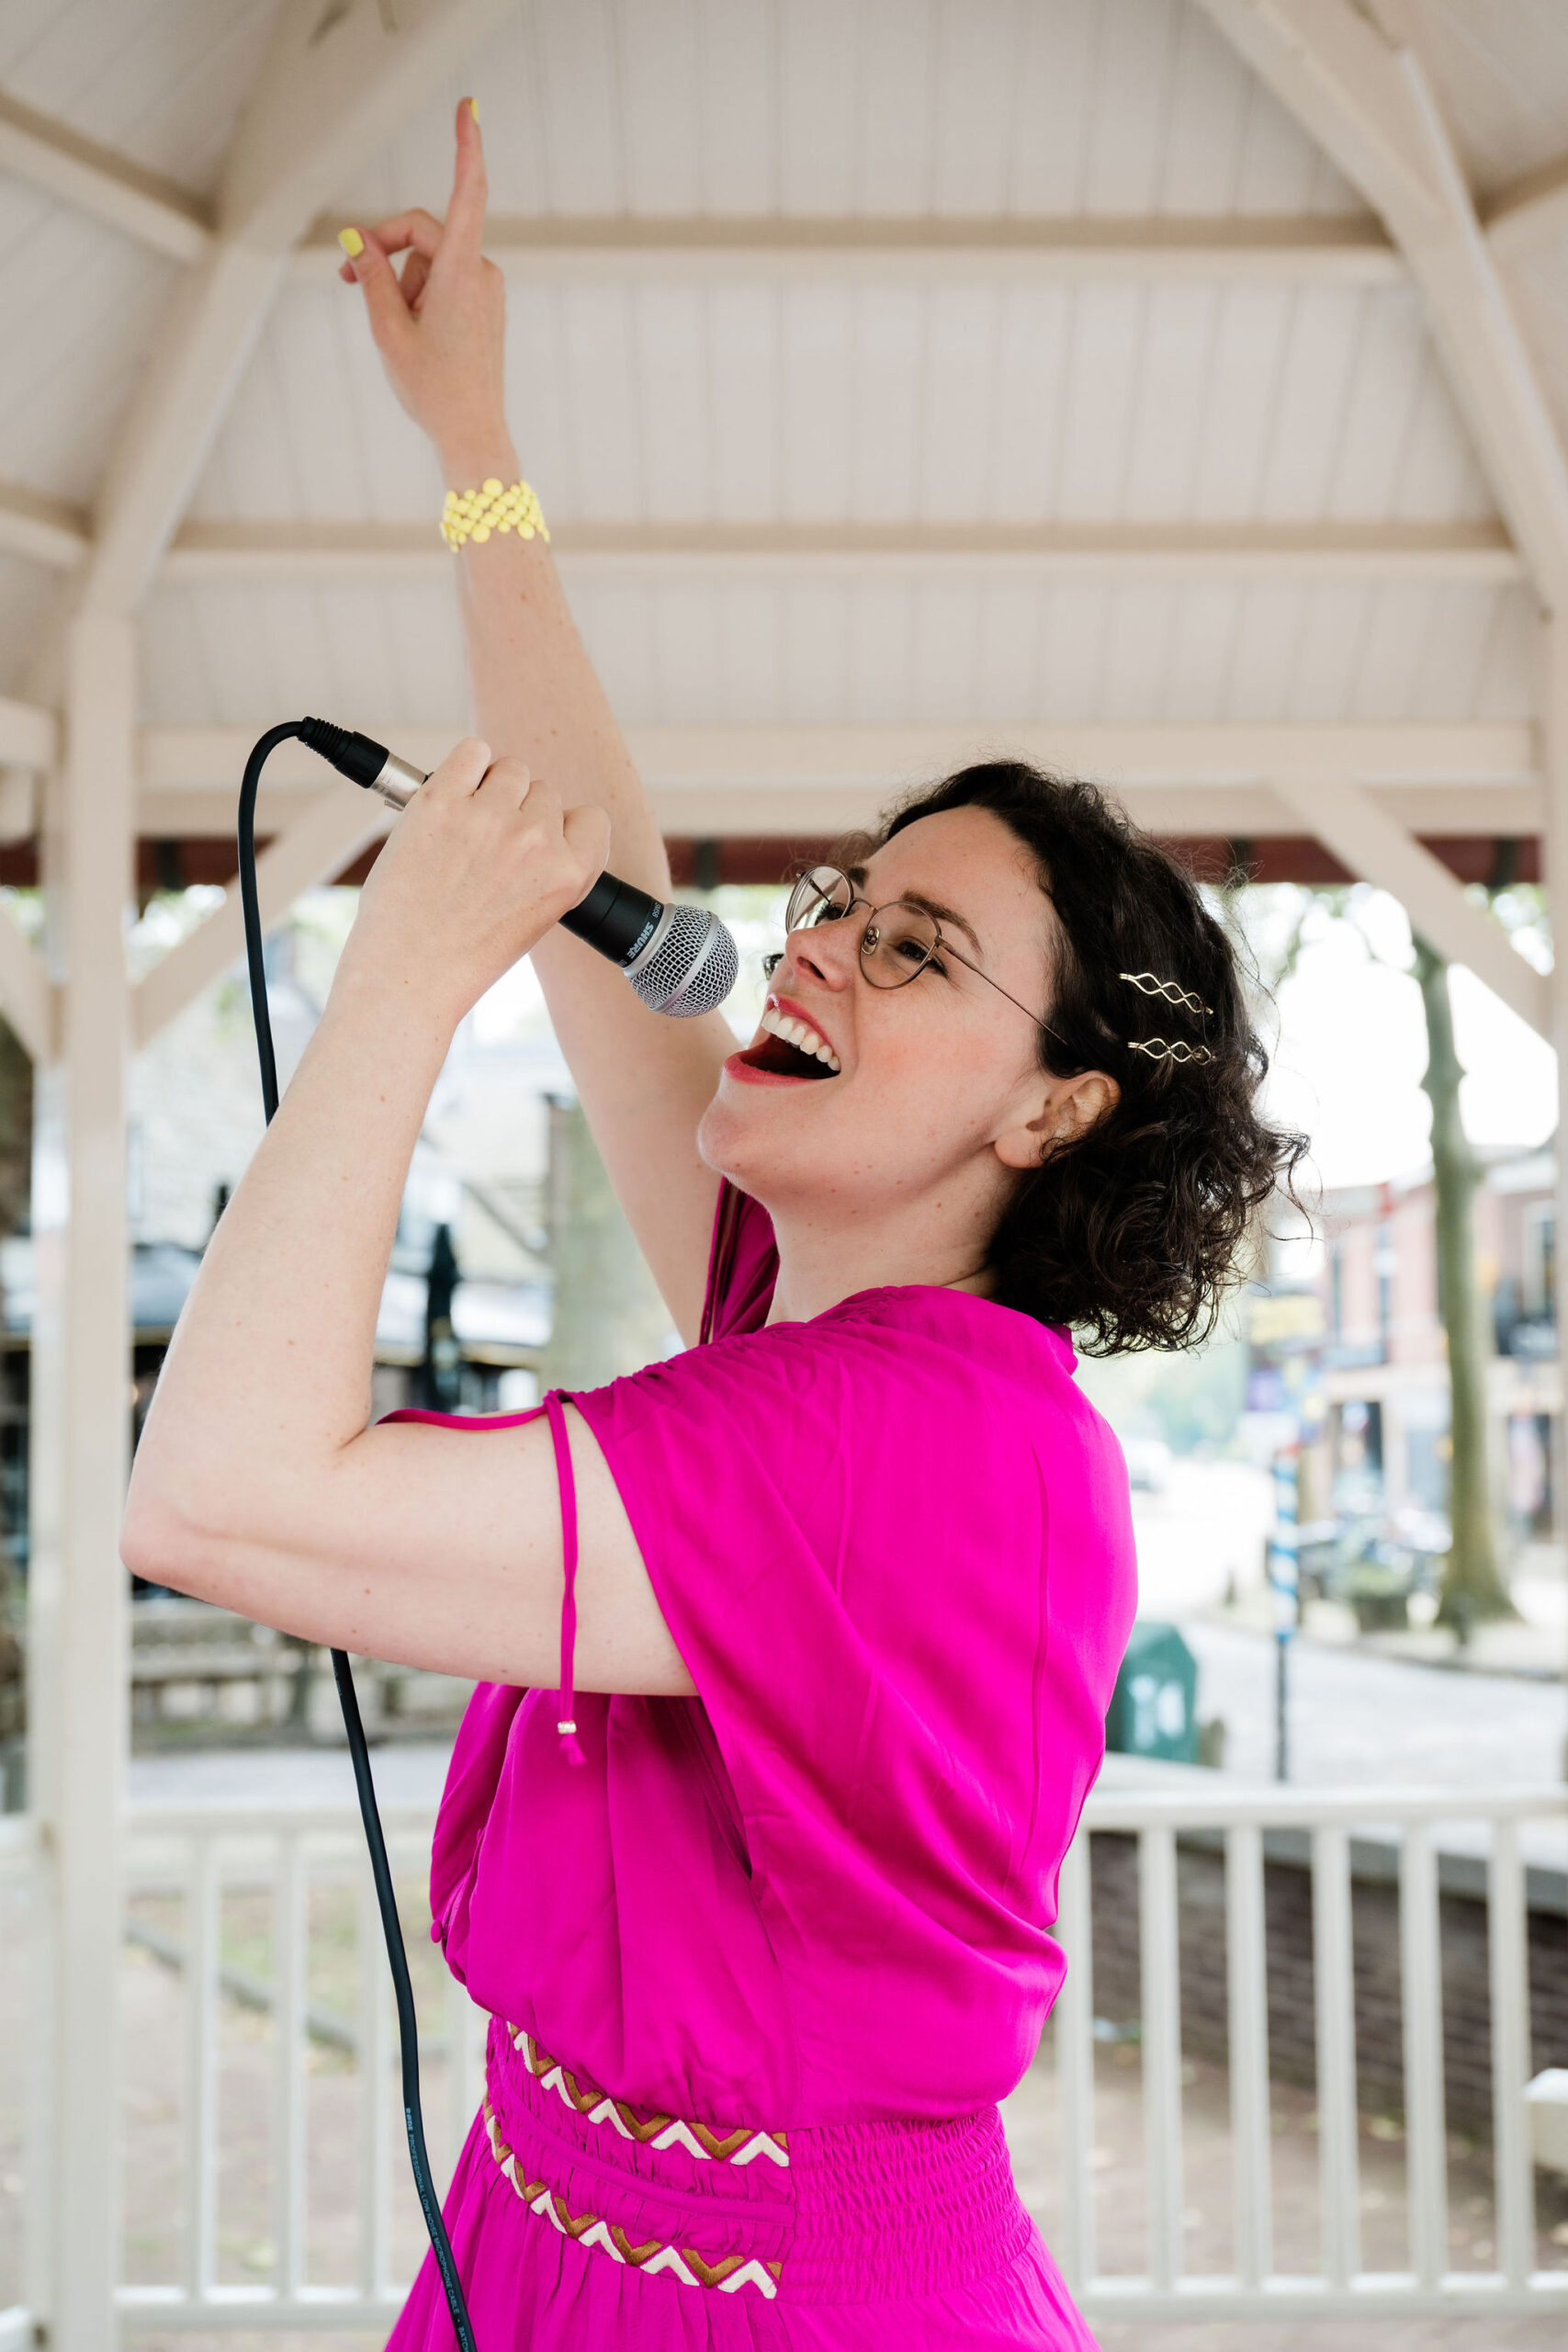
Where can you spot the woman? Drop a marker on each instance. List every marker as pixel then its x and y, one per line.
pixel 760 1912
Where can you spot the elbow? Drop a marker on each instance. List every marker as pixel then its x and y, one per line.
pixel 158 1543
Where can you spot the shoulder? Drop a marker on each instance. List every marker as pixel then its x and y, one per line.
pixel 913 1358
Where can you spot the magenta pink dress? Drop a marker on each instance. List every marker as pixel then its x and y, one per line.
pixel 761 1963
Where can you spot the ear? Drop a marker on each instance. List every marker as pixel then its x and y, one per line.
pixel 1073 1106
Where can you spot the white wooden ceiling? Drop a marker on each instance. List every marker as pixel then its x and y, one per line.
pixel 1185 455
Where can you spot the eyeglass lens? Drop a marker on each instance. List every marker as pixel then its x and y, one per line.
pixel 897 942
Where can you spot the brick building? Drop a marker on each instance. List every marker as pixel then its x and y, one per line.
pixel 1383 1362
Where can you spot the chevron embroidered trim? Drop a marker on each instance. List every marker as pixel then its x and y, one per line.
pixel 728 2275
pixel 741 2147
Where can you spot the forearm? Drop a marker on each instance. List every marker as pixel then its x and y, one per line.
pixel 643 1082
pixel 268 1373
pixel 536 693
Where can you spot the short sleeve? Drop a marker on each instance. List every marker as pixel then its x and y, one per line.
pixel 847 1549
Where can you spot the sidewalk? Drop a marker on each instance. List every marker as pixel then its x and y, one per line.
pixel 1201 1540
pixel 1534 1644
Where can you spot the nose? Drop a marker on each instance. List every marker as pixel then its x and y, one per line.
pixel 826 951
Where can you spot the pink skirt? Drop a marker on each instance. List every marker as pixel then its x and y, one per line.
pixel 578 2221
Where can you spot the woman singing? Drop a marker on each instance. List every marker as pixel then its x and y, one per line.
pixel 794 1650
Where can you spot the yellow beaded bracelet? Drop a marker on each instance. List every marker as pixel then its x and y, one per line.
pixel 494 506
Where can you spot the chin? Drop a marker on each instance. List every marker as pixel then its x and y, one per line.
pixel 727 1142
pixel 749 1137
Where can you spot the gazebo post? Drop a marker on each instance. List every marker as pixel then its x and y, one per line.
pixel 1553 689
pixel 80 1447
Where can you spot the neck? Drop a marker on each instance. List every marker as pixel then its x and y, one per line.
pixel 818 1267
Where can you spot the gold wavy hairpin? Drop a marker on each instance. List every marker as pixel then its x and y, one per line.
pixel 1162 1049
pixel 1148 985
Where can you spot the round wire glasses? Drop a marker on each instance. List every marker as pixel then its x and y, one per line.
pixel 897 941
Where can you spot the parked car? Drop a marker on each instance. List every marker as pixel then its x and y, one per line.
pixel 1373 1561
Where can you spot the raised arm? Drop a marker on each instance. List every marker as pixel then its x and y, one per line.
pixel 644 1081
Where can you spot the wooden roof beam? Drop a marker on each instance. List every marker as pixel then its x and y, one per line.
pixel 53 157
pixel 1471 552
pixel 739 761
pixel 1348 248
pixel 1529 212
pixel 56 535
pixel 336 823
pixel 1370 104
pixel 1378 849
pixel 329 94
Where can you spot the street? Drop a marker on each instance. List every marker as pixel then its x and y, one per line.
pixel 1355 1716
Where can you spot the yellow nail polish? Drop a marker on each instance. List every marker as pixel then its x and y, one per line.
pixel 474 108
pixel 352 242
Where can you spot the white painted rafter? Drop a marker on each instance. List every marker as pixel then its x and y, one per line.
pixel 48 530
pixel 328 834
pixel 142 204
pixel 1342 249
pixel 29 736
pixel 1370 104
pixel 770 780
pixel 1529 212
pixel 739 757
pixel 1380 850
pixel 331 90
pixel 1474 553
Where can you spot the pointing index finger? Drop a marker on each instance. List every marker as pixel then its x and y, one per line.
pixel 465 213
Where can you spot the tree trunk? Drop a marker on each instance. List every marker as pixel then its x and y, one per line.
pixel 1472 1587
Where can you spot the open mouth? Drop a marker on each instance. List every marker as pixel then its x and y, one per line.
pixel 781 1059
pixel 789 1048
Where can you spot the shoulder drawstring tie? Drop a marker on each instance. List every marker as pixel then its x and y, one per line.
pixel 566 1724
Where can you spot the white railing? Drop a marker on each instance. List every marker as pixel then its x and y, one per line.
pixel 1340 2286
pixel 267 1916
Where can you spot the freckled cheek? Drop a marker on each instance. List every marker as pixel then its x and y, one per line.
pixel 935 1084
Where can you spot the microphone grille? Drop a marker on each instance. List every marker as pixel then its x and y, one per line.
pixel 692 967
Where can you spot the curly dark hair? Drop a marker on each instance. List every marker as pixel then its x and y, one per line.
pixel 1132 1233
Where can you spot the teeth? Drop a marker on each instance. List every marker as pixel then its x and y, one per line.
pixel 795 1033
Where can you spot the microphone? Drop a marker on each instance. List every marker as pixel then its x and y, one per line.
pixel 680 960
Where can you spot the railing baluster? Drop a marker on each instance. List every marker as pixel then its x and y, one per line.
pixel 375 2075
pixel 192 1850
pixel 25 1851
pixel 202 1960
pixel 1333 1995
pixel 1074 2020
pixel 1161 2001
pixel 1247 1972
pixel 1425 2141
pixel 1509 1955
pixel 289 2141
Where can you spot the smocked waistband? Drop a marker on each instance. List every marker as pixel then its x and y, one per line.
pixel 844 2214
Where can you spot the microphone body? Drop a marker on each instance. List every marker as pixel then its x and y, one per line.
pixel 680 960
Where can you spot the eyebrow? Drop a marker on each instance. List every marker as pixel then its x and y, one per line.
pixel 932 907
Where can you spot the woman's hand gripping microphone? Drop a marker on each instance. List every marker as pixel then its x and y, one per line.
pixel 481 864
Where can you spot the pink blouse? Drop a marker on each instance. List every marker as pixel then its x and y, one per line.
pixel 893 1547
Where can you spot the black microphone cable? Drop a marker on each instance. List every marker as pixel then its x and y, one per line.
pixel 380 1868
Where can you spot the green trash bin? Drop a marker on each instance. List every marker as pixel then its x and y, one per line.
pixel 1154 1708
